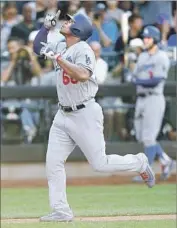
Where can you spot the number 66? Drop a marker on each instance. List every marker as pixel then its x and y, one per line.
pixel 67 79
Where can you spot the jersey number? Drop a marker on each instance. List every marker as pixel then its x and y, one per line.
pixel 67 79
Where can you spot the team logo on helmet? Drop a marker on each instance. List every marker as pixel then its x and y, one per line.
pixel 146 31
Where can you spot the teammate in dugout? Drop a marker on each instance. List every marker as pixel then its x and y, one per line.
pixel 150 74
pixel 79 120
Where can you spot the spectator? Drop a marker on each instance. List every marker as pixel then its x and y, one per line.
pixel 7 69
pixel 172 40
pixel 21 69
pixel 136 47
pixel 126 6
pixel 105 31
pixel 41 8
pixel 52 6
pixel 63 6
pixel 135 27
pixel 16 52
pixel 23 29
pixel 87 8
pixel 20 5
pixel 73 7
pixel 101 65
pixel 168 32
pixel 9 19
pixel 113 12
pixel 150 11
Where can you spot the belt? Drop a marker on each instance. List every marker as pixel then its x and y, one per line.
pixel 146 94
pixel 71 109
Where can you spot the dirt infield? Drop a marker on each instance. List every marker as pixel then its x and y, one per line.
pixel 111 180
pixel 100 219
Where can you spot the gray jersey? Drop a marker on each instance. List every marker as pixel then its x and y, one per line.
pixel 71 92
pixel 149 66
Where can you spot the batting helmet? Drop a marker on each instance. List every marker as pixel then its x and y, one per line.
pixel 153 32
pixel 81 27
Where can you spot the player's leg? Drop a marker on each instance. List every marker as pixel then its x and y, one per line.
pixel 138 117
pixel 166 162
pixel 60 145
pixel 149 127
pixel 153 115
pixel 89 137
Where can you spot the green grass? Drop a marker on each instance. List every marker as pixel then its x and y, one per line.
pixel 131 224
pixel 92 201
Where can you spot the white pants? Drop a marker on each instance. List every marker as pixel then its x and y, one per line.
pixel 149 113
pixel 84 128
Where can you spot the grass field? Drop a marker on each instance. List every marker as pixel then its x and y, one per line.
pixel 130 224
pixel 93 201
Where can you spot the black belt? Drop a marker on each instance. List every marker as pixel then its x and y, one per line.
pixel 70 109
pixel 146 94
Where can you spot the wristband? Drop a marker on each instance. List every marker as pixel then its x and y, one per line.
pixel 58 58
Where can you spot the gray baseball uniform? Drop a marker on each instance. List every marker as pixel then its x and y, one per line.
pixel 82 127
pixel 150 109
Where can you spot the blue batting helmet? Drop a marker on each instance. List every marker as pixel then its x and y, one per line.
pixel 82 26
pixel 153 32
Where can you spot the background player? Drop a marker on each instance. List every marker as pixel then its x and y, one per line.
pixel 79 120
pixel 150 74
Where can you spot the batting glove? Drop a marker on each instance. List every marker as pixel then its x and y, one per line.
pixel 50 21
pixel 47 51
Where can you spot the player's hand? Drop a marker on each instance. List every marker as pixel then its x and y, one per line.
pixel 46 51
pixel 50 21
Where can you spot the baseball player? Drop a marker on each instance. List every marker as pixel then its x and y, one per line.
pixel 150 74
pixel 79 120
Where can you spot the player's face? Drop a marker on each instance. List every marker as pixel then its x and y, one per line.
pixel 65 29
pixel 148 42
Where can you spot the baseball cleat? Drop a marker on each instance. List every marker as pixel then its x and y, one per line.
pixel 166 170
pixel 147 175
pixel 56 217
pixel 137 179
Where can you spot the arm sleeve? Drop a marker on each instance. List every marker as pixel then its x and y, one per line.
pixel 86 59
pixel 41 37
pixel 148 83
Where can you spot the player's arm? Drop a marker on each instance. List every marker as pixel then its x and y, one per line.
pixel 149 83
pixel 82 68
pixel 154 77
pixel 49 22
pixel 79 73
pixel 41 37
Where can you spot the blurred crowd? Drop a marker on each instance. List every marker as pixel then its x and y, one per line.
pixel 21 21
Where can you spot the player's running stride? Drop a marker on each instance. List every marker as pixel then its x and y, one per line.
pixel 79 120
